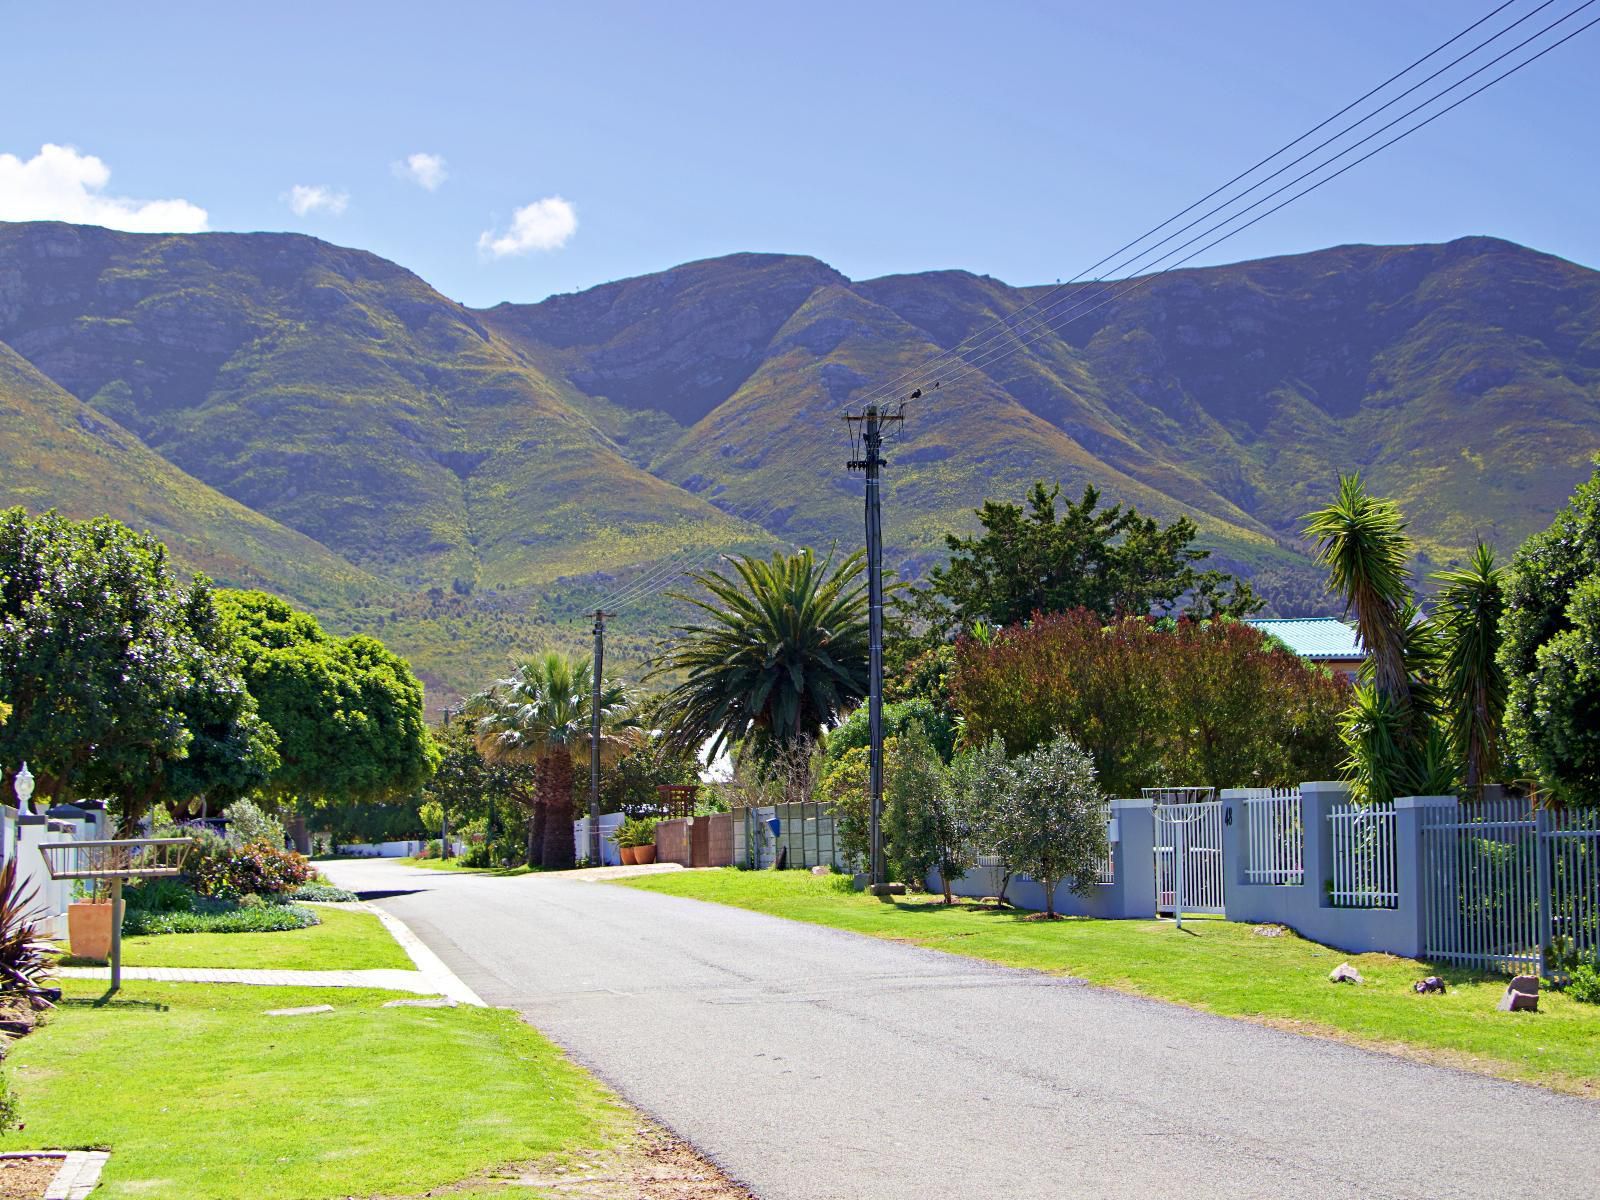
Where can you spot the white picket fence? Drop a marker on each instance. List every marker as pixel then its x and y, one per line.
pixel 1364 869
pixel 1275 836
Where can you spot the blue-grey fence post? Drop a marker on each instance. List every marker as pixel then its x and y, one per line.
pixel 1316 798
pixel 1411 814
pixel 1134 857
pixel 1235 838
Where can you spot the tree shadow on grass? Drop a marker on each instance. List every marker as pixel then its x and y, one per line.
pixel 113 1000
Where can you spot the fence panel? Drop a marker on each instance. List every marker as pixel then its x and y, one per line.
pixel 1482 887
pixel 1275 836
pixel 1106 872
pixel 1364 869
pixel 1569 840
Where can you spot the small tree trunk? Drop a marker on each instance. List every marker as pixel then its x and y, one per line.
pixel 299 834
pixel 560 849
pixel 1049 899
pixel 944 879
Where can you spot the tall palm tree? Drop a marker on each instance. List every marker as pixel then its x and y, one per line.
pixel 1473 683
pixel 541 713
pixel 780 652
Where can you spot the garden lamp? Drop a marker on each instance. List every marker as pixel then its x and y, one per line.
pixel 24 788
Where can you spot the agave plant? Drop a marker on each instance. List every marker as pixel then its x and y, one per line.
pixel 27 961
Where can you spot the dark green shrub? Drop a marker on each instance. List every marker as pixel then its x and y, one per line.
pixel 852 734
pixel 9 1108
pixel 1583 985
pixel 1550 651
pixel 159 895
pixel 27 961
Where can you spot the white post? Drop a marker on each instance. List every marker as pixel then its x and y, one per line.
pixel 1177 871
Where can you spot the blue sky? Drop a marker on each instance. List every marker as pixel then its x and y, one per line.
pixel 1021 140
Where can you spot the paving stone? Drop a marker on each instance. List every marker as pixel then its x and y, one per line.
pixel 299 1012
pixel 429 1002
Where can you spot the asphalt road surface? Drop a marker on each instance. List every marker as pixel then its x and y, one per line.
pixel 811 1063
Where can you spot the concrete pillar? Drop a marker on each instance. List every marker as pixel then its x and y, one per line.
pixel 1235 837
pixel 1133 858
pixel 1316 798
pixel 1411 814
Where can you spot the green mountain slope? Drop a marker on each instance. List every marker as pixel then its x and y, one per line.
pixel 61 454
pixel 464 482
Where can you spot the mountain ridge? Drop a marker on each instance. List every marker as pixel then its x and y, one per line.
pixel 484 475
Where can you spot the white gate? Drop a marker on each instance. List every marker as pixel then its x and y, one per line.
pixel 1189 857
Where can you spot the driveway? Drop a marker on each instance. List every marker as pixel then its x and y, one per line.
pixel 811 1063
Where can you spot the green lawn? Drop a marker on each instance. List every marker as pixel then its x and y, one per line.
pixel 1218 966
pixel 454 864
pixel 345 941
pixel 200 1095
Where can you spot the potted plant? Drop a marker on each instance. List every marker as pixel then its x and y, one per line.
pixel 89 924
pixel 636 841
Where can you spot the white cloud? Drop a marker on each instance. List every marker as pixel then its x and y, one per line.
pixel 424 170
pixel 307 198
pixel 543 225
pixel 59 184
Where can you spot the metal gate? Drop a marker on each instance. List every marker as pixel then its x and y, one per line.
pixel 1189 857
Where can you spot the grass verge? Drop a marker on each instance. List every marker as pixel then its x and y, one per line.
pixel 344 941
pixel 201 1095
pixel 1218 966
pixel 454 864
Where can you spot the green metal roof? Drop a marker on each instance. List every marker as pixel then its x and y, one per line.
pixel 1314 637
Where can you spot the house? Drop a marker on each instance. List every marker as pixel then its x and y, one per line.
pixel 1324 640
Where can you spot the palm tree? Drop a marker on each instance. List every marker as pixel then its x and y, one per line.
pixel 541 714
pixel 780 653
pixel 1467 617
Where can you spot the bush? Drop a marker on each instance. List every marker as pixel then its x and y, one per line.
pixel 854 733
pixel 220 870
pixel 1583 984
pixel 247 824
pixel 27 960
pixel 159 895
pixel 220 917
pixel 319 893
pixel 635 831
pixel 1052 825
pixel 1202 702
pixel 1550 651
pixel 9 1108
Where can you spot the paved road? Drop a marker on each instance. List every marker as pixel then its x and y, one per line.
pixel 816 1064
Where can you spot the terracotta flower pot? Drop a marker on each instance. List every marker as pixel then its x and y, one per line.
pixel 89 929
pixel 644 855
pixel 628 854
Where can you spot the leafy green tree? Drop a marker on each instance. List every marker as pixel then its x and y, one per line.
pixel 118 680
pixel 467 787
pixel 982 781
pixel 912 808
pixel 937 725
pixel 1053 824
pixel 1112 561
pixel 540 714
pixel 1551 651
pixel 780 653
pixel 348 713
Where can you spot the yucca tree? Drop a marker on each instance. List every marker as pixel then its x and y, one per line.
pixel 780 652
pixel 1466 616
pixel 540 713
pixel 1361 539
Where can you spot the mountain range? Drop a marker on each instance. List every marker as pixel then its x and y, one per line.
pixel 318 421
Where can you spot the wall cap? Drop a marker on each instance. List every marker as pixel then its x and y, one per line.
pixel 1425 802
pixel 1147 805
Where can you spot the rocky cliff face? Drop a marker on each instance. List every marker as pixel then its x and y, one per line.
pixel 459 477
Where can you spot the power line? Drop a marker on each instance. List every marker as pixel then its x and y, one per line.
pixel 998 325
pixel 1040 324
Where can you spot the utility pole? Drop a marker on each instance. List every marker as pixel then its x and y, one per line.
pixel 600 616
pixel 872 422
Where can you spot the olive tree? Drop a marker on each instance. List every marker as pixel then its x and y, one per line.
pixel 1051 823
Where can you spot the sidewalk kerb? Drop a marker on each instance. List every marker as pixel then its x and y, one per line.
pixel 432 967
